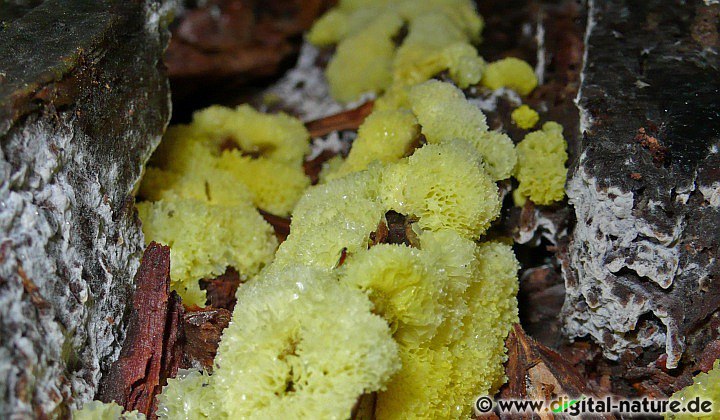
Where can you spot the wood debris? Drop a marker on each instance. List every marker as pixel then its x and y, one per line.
pixel 152 351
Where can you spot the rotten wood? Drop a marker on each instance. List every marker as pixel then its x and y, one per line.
pixel 346 120
pixel 280 224
pixel 203 330
pixel 313 167
pixel 152 351
pixel 221 290
pixel 222 49
pixel 539 373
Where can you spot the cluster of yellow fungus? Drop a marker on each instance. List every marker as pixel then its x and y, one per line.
pixel 96 410
pixel 439 38
pixel 510 72
pixel 245 146
pixel 204 184
pixel 541 167
pixel 445 114
pixel 706 387
pixel 336 311
pixel 525 117
pixel 333 314
pixel 300 345
pixel 446 187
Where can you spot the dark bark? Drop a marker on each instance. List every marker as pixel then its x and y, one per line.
pixel 643 270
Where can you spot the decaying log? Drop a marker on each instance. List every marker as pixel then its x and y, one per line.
pixel 203 329
pixel 220 291
pixel 83 102
pixel 153 349
pixel 643 269
pixel 345 120
pixel 537 373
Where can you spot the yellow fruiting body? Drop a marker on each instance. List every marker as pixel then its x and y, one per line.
pixel 512 73
pixel 274 186
pixel 333 219
pixel 188 396
pixel 205 239
pixel 384 136
pixel 363 62
pixel 706 387
pixel 525 117
pixel 416 391
pixel 264 163
pixel 440 36
pixel 278 137
pixel 455 257
pixel 402 289
pixel 96 410
pixel 300 346
pixel 492 310
pixel 440 379
pixel 541 165
pixel 446 186
pixel 434 44
pixel 444 114
pixel 329 28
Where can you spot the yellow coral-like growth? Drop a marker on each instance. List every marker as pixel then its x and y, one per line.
pixel 510 72
pixel 445 114
pixel 441 380
pixel 541 165
pixel 205 239
pixel 454 256
pixel 440 33
pixel 188 396
pixel 274 186
pixel 301 346
pixel 96 410
pixel 492 310
pixel 421 384
pixel 363 62
pixel 403 290
pixel 264 163
pixel 525 117
pixel 334 219
pixel 278 137
pixel 445 186
pixel 385 136
pixel 706 387
pixel 434 44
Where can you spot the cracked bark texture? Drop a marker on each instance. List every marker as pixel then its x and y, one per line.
pixel 642 271
pixel 83 102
